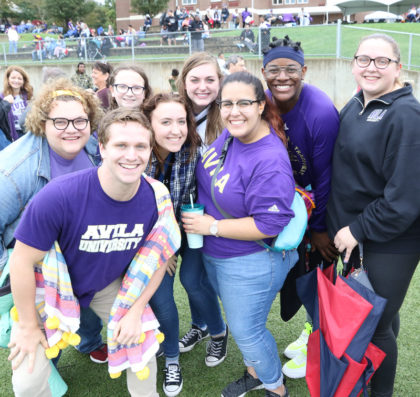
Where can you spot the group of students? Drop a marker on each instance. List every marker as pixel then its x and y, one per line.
pixel 361 167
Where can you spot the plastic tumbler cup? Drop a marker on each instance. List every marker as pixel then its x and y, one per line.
pixel 194 240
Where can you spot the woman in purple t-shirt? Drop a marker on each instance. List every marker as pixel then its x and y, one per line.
pixel 252 194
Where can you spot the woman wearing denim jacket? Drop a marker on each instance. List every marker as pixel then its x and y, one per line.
pixel 50 149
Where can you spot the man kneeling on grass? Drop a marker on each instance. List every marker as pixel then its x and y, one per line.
pixel 99 219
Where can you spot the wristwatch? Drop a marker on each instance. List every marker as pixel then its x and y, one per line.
pixel 214 230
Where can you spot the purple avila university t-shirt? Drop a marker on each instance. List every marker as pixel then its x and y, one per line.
pixel 98 236
pixel 256 180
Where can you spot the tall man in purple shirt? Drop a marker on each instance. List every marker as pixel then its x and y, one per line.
pixel 311 124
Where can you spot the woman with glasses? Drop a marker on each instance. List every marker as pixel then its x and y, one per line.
pixel 374 201
pixel 59 140
pixel 311 126
pixel 199 85
pixel 129 87
pixel 173 162
pixel 254 188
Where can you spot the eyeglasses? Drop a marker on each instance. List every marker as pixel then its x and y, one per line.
pixel 363 61
pixel 123 89
pixel 242 104
pixel 62 123
pixel 288 70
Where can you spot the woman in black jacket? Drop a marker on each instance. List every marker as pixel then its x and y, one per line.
pixel 374 199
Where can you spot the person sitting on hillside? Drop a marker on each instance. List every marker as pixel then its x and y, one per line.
pixel 247 38
pixel 147 23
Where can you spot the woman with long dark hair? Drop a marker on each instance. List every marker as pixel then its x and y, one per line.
pixel 255 186
pixel 173 162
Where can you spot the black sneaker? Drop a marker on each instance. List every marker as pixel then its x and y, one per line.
pixel 242 386
pixel 217 350
pixel 191 338
pixel 269 393
pixel 172 384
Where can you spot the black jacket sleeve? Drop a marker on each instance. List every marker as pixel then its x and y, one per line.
pixel 4 118
pixel 398 208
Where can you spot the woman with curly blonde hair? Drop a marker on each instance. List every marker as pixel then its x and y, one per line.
pixel 16 93
pixel 59 140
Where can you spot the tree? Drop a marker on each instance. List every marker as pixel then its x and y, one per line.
pixel 151 7
pixel 60 11
pixel 29 9
pixel 111 12
pixel 8 10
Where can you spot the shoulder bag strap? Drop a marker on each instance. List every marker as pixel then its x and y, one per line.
pixel 216 172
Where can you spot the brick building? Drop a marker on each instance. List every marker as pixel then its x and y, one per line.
pixel 319 10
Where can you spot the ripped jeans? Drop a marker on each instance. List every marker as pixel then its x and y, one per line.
pixel 247 286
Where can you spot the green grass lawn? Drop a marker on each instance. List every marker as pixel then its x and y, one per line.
pixel 317 41
pixel 85 378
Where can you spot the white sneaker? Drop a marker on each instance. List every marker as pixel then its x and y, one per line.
pixel 296 368
pixel 299 344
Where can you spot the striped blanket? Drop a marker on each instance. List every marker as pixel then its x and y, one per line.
pixel 55 298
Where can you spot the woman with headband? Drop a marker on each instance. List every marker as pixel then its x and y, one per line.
pixel 311 125
pixel 59 141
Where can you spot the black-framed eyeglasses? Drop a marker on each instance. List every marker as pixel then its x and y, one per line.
pixel 123 89
pixel 61 123
pixel 363 61
pixel 288 70
pixel 242 104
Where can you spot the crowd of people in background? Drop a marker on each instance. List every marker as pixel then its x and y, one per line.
pixel 219 139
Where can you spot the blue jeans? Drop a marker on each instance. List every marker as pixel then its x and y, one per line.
pixel 12 47
pixel 89 331
pixel 247 286
pixel 202 298
pixel 164 307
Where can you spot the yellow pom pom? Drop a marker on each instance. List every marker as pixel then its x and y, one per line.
pixel 143 374
pixel 115 375
pixel 52 352
pixel 66 337
pixel 142 337
pixel 62 344
pixel 14 314
pixel 52 322
pixel 160 337
pixel 74 339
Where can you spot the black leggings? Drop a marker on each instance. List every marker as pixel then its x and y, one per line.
pixel 390 275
